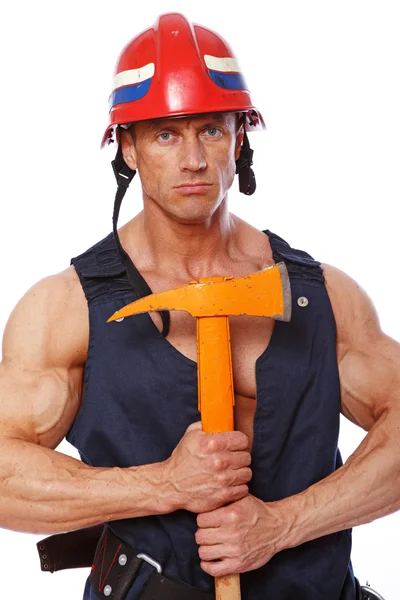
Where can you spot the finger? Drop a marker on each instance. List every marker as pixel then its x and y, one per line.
pixel 214 552
pixel 239 492
pixel 227 566
pixel 232 478
pixel 214 518
pixel 232 462
pixel 236 440
pixel 211 536
pixel 242 475
pixel 239 459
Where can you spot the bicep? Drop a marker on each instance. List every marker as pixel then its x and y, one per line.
pixel 43 355
pixel 368 360
pixel 370 380
pixel 37 405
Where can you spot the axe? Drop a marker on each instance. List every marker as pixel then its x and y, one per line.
pixel 212 300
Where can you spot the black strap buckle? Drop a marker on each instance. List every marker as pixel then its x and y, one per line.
pixel 247 179
pixel 123 173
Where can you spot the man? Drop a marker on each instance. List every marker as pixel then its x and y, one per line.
pixel 125 393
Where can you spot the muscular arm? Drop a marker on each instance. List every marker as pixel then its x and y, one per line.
pixel 368 485
pixel 44 491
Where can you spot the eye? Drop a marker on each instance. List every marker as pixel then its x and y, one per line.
pixel 165 136
pixel 212 132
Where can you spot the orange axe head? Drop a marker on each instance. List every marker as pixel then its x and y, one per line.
pixel 264 293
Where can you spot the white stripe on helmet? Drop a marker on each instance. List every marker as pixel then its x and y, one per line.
pixel 225 65
pixel 133 76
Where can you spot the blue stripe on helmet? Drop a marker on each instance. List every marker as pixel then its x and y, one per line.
pixel 229 81
pixel 129 93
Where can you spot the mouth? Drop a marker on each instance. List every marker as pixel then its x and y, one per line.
pixel 186 189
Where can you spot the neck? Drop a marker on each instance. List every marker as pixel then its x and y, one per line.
pixel 189 250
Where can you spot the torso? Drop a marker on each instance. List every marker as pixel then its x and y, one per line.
pixel 250 336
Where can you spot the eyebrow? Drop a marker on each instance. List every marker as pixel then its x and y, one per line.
pixel 212 119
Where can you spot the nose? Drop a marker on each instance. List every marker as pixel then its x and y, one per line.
pixel 193 157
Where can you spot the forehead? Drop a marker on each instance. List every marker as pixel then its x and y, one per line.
pixel 223 119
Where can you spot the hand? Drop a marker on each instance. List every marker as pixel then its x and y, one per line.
pixel 206 471
pixel 240 537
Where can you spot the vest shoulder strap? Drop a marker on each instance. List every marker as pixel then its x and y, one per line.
pixel 300 264
pixel 101 270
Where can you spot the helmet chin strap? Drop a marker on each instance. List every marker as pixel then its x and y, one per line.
pixel 124 176
pixel 247 179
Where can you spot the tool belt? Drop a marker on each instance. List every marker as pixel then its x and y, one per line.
pixel 115 565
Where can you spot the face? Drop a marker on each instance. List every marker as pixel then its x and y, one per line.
pixel 186 165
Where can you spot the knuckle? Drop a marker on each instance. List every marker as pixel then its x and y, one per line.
pixel 225 478
pixel 217 464
pixel 210 443
pixel 234 515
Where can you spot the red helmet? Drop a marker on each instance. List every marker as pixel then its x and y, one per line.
pixel 175 69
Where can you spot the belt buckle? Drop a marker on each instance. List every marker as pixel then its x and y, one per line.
pixel 367 593
pixel 151 562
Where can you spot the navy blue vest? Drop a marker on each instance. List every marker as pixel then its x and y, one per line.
pixel 140 395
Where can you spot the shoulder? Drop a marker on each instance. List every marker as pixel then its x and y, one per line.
pixel 355 315
pixel 50 322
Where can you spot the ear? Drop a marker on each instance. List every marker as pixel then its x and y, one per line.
pixel 239 142
pixel 128 149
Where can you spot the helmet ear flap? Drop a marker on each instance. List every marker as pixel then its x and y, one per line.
pixel 247 179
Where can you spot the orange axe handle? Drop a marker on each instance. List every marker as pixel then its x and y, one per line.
pixel 216 401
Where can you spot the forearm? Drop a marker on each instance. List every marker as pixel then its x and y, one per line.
pixel 44 491
pixel 365 488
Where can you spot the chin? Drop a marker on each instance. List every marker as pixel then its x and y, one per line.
pixel 190 218
pixel 193 208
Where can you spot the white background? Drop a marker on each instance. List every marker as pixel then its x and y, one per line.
pixel 325 75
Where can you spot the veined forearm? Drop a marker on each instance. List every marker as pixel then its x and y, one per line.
pixel 365 488
pixel 44 491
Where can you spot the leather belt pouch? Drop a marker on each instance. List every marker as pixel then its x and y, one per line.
pixel 69 550
pixel 116 566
